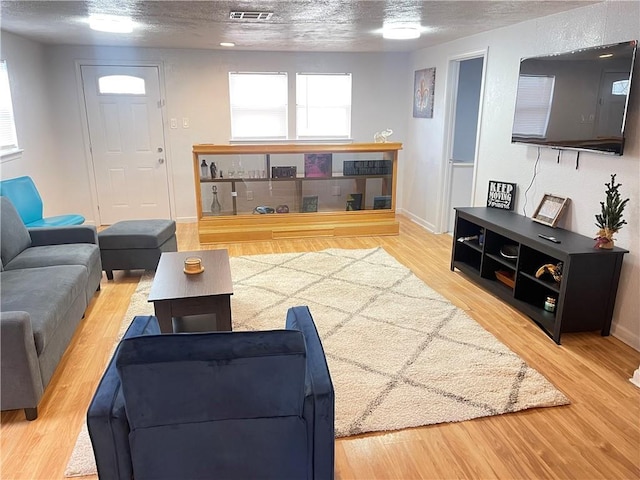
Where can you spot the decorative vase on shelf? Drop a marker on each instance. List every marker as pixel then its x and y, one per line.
pixel 610 221
pixel 204 169
pixel 214 170
pixel 216 208
pixel 604 239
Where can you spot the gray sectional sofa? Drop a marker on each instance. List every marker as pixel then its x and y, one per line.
pixel 48 277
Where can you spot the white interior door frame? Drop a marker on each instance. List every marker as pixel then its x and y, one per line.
pixel 453 70
pixel 87 137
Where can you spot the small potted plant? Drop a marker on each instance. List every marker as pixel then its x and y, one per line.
pixel 609 221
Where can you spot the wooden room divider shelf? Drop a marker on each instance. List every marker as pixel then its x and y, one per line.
pixel 239 196
pixel 585 297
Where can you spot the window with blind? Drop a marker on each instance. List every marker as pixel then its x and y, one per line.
pixel 8 139
pixel 323 105
pixel 258 105
pixel 533 107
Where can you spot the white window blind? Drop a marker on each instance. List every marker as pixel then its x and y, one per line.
pixel 258 105
pixel 533 105
pixel 8 139
pixel 323 105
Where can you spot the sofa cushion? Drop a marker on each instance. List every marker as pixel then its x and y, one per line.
pixel 85 254
pixel 14 236
pixel 30 290
pixel 136 234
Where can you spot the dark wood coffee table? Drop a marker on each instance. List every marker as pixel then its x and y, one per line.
pixel 177 295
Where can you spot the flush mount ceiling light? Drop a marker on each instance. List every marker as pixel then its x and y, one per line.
pixel 110 23
pixel 227 44
pixel 401 31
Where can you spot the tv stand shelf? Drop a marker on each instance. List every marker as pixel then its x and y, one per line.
pixel 586 295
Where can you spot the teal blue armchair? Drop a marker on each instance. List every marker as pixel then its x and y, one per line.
pixel 25 197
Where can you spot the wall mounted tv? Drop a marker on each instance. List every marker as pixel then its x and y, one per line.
pixel 575 100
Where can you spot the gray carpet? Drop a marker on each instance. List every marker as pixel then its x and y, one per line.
pixel 400 354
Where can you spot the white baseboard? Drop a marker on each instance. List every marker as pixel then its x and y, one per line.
pixel 186 219
pixel 627 336
pixel 415 219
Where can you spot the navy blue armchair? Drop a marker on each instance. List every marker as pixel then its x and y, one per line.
pixel 227 405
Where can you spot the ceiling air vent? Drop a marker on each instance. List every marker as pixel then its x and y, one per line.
pixel 254 16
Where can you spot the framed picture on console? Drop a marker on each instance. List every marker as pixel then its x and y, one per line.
pixel 550 209
pixel 309 204
pixel 382 202
pixel 317 164
pixel 354 202
pixel 501 195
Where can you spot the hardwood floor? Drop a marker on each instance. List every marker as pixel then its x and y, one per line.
pixel 597 436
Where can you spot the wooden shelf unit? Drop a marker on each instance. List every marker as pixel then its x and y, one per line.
pixel 585 297
pixel 236 224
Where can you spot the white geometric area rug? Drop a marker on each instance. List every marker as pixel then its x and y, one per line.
pixel 400 355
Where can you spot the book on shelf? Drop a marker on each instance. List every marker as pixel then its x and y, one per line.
pixel 284 172
pixel 367 167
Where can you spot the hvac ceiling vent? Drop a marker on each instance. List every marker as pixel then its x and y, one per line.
pixel 253 16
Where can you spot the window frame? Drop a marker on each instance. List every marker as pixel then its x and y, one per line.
pixel 8 131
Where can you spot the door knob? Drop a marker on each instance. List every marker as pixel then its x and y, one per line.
pixel 161 160
pixel 160 150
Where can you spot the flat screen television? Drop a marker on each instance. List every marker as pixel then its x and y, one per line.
pixel 575 100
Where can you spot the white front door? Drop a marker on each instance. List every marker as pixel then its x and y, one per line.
pixel 124 116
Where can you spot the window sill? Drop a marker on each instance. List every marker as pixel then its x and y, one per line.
pixel 11 155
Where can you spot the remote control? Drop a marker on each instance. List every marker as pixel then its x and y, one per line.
pixel 547 237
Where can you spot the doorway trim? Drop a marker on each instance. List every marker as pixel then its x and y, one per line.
pixel 453 71
pixel 93 188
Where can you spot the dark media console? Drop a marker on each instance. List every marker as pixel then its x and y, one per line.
pixel 502 251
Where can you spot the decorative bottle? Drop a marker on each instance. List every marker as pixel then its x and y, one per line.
pixel 204 169
pixel 214 170
pixel 216 208
pixel 240 170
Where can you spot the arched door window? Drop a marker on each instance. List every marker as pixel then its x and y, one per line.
pixel 121 84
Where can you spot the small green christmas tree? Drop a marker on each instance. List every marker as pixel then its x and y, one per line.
pixel 610 218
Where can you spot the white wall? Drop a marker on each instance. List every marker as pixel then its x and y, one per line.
pixel 26 61
pixel 196 83
pixel 599 24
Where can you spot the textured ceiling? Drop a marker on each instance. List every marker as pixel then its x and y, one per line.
pixel 321 25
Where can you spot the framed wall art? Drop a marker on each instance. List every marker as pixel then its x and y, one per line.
pixel 423 86
pixel 550 209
